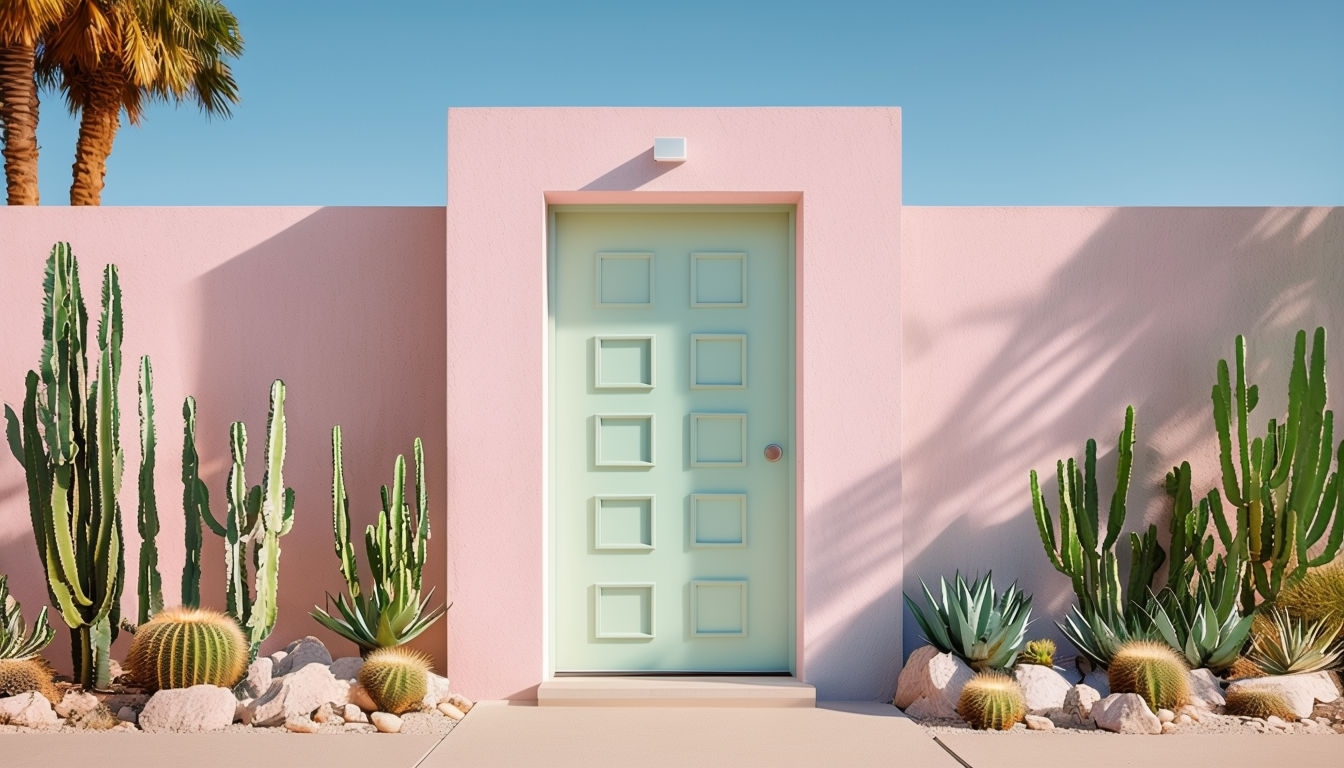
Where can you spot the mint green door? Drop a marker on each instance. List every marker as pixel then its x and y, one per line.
pixel 672 444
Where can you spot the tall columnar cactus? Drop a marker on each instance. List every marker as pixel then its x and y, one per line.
pixel 73 462
pixel 255 521
pixel 150 587
pixel 391 613
pixel 1281 490
pixel 1081 551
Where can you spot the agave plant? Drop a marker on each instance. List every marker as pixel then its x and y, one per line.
pixel 1296 645
pixel 974 622
pixel 1098 635
pixel 16 642
pixel 1206 626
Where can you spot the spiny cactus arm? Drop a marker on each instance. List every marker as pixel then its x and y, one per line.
pixel 276 506
pixel 1045 525
pixel 150 589
pixel 61 366
pixel 26 444
pixel 65 567
pixel 1334 513
pixel 396 519
pixel 1311 459
pixel 1222 421
pixel 1085 508
pixel 107 548
pixel 1146 558
pixel 273 481
pixel 1071 550
pixel 195 507
pixel 237 526
pixel 1124 468
pixel 340 516
pixel 422 516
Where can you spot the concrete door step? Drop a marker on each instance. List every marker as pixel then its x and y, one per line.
pixel 678 691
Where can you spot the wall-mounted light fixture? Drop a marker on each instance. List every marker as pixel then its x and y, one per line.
pixel 669 149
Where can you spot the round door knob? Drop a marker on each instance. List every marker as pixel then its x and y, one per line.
pixel 773 452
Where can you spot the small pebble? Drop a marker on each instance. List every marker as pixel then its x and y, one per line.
pixel 461 702
pixel 128 715
pixel 1169 728
pixel 1166 716
pixel 386 722
pixel 360 728
pixel 352 714
pixel 325 713
pixel 456 714
pixel 1184 719
pixel 1038 723
pixel 300 724
pixel 361 698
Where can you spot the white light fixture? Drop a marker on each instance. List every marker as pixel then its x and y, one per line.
pixel 669 149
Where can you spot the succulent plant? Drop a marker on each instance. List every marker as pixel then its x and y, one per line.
pixel 973 622
pixel 182 647
pixel 1098 637
pixel 23 675
pixel 1319 596
pixel 396 678
pixel 1154 671
pixel 1204 625
pixel 992 701
pixel 1289 645
pixel 1241 668
pixel 16 642
pixel 1253 702
pixel 1038 652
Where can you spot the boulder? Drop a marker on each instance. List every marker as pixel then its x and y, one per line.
pixel 76 703
pixel 436 690
pixel 301 653
pixel 1125 713
pixel 30 710
pixel 189 710
pixel 347 667
pixel 386 722
pixel 935 677
pixel 258 680
pixel 1043 687
pixel 1301 692
pixel 1205 690
pixel 1079 700
pixel 298 693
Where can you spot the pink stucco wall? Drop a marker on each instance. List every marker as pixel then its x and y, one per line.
pixel 841 167
pixel 344 304
pixel 1028 330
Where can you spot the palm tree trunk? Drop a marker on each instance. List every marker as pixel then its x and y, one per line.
pixel 100 117
pixel 18 113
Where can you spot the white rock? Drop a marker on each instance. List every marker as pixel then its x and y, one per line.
pixel 1184 720
pixel 259 677
pixel 301 653
pixel 75 702
pixel 1038 723
pixel 347 667
pixel 1098 681
pixel 935 677
pixel 1079 700
pixel 128 715
pixel 364 727
pixel 242 713
pixel 1043 687
pixel 386 722
pixel 298 693
pixel 189 710
pixel 1275 721
pixel 461 702
pixel 1205 690
pixel 351 713
pixel 1301 692
pixel 1166 715
pixel 451 712
pixel 1169 728
pixel 114 669
pixel 1125 713
pixel 436 690
pixel 125 726
pixel 1193 712
pixel 30 710
pixel 325 713
pixel 361 698
pixel 300 724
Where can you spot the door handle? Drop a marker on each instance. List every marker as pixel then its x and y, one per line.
pixel 773 452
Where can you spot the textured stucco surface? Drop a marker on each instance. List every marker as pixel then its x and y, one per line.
pixel 841 167
pixel 1028 330
pixel 344 304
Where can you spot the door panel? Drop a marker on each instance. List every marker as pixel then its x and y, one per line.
pixel 671 374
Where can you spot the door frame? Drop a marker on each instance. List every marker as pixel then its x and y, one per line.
pixel 549 407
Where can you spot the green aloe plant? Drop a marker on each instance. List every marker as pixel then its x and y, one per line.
pixel 974 622
pixel 392 613
pixel 1204 626
pixel 1296 645
pixel 16 641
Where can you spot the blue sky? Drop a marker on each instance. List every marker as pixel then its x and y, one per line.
pixel 1016 102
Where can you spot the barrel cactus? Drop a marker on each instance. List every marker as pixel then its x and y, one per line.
pixel 992 701
pixel 1040 652
pixel 397 678
pixel 24 675
pixel 1152 670
pixel 1252 702
pixel 182 647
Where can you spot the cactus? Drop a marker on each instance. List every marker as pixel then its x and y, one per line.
pixel 24 675
pixel 1258 702
pixel 1152 670
pixel 1319 596
pixel 396 678
pixel 73 462
pixel 1040 652
pixel 1081 551
pixel 16 642
pixel 150 589
pixel 392 613
pixel 182 647
pixel 1283 496
pixel 256 519
pixel 992 701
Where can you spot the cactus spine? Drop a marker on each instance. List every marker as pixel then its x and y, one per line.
pixel 19 676
pixel 992 701
pixel 396 678
pixel 1080 551
pixel 1283 494
pixel 182 647
pixel 1152 670
pixel 73 463
pixel 1261 703
pixel 150 589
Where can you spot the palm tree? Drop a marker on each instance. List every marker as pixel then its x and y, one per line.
pixel 22 24
pixel 110 55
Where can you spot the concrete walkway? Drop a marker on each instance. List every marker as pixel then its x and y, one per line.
pixel 830 735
